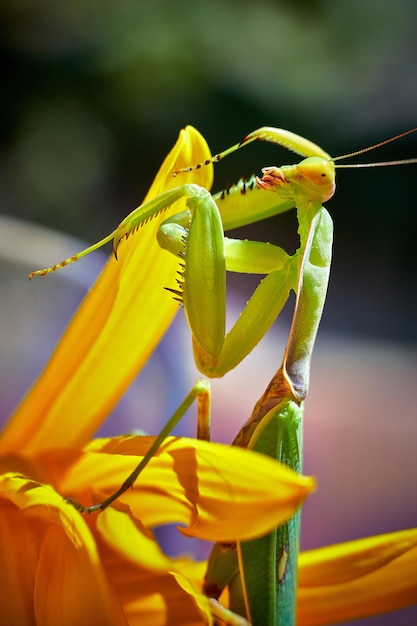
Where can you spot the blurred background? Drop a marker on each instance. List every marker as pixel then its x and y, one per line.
pixel 93 97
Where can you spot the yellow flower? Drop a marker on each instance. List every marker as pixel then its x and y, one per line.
pixel 58 567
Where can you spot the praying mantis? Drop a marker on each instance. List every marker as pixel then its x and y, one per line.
pixel 261 574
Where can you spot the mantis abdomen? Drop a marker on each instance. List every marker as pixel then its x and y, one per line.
pixel 270 562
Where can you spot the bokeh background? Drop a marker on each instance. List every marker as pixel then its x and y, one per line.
pixel 93 96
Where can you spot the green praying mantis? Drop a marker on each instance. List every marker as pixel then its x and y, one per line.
pixel 261 574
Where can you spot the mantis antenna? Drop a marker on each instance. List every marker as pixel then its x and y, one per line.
pixel 373 147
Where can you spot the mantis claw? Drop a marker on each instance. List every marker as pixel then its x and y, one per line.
pixel 272 177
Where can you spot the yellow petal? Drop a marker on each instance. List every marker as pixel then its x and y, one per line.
pixel 222 493
pixel 357 579
pixel 166 586
pixel 201 600
pixel 158 601
pixel 50 572
pixel 141 574
pixel 116 328
pixel 129 537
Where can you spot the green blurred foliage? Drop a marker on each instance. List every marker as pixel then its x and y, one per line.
pixel 94 94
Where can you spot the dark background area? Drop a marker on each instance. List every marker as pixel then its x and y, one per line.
pixel 93 96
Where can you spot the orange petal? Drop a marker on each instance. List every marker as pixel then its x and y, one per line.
pixel 156 601
pixel 222 493
pixel 116 328
pixel 129 537
pixel 50 570
pixel 147 590
pixel 152 586
pixel 358 579
pixel 20 541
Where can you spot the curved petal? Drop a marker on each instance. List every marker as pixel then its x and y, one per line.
pixel 50 572
pixel 20 546
pixel 116 328
pixel 222 493
pixel 357 579
pixel 151 586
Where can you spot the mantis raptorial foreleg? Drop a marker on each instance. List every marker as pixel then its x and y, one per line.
pixel 197 237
